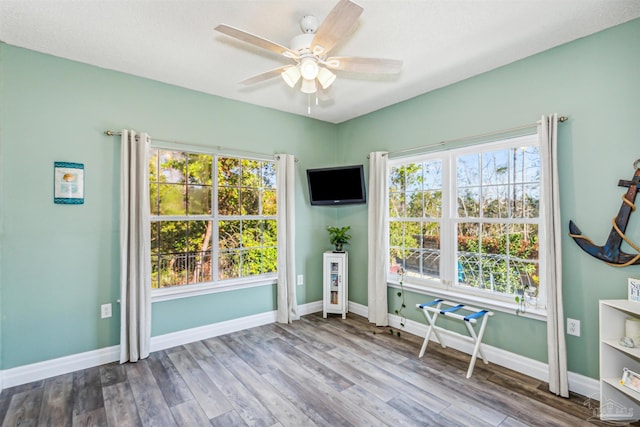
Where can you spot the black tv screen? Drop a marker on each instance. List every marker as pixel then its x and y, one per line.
pixel 342 185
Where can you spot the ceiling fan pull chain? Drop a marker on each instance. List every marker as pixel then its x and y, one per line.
pixel 309 104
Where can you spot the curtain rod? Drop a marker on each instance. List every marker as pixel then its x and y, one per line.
pixel 216 147
pixel 561 119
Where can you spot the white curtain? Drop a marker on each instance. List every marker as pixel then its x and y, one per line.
pixel 556 346
pixel 285 176
pixel 135 262
pixel 378 262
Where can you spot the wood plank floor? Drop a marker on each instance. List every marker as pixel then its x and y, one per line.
pixel 325 372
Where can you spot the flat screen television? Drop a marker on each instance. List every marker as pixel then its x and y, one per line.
pixel 343 185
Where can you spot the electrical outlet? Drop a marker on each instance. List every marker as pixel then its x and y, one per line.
pixel 573 327
pixel 300 279
pixel 105 311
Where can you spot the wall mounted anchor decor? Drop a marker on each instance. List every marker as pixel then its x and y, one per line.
pixel 610 252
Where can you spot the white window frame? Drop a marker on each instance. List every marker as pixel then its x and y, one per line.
pixel 445 286
pixel 216 285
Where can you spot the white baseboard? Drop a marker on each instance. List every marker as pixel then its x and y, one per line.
pixel 64 365
pixel 359 309
pixel 37 371
pixel 221 328
pixel 578 383
pixel 309 308
pixel 187 336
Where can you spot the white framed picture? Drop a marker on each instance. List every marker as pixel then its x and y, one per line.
pixel 634 289
pixel 630 379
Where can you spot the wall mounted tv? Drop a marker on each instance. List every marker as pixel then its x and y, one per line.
pixel 342 185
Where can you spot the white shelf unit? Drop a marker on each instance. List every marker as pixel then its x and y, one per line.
pixel 335 283
pixel 617 402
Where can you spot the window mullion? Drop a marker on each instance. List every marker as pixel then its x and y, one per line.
pixel 215 217
pixel 447 223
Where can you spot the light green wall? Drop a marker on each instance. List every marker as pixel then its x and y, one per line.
pixel 59 263
pixel 595 81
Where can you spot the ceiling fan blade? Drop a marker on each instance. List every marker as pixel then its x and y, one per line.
pixel 256 40
pixel 364 65
pixel 264 76
pixel 335 26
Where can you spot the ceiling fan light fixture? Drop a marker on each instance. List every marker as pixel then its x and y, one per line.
pixel 291 75
pixel 309 68
pixel 325 77
pixel 308 86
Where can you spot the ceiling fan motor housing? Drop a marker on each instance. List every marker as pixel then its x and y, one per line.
pixel 302 42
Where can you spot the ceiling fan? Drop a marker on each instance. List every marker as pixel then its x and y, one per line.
pixel 309 51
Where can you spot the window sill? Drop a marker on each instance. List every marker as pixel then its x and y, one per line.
pixel 168 294
pixel 475 300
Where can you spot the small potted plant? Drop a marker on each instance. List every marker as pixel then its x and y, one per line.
pixel 339 236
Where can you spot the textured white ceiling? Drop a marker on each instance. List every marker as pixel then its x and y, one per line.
pixel 173 41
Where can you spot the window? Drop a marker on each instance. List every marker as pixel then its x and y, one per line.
pixel 213 219
pixel 468 220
